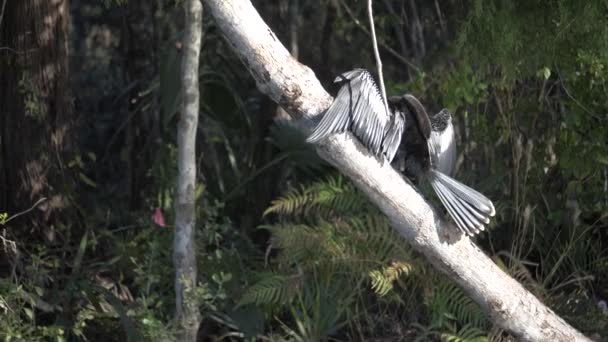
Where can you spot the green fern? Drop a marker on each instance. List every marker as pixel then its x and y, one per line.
pixel 324 198
pixel 375 235
pixel 299 240
pixel 348 246
pixel 384 279
pixel 356 246
pixel 518 270
pixel 468 333
pixel 271 289
pixel 351 246
pixel 448 304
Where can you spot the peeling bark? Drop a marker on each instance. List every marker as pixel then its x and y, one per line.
pixel 294 86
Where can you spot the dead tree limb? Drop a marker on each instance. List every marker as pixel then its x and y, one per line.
pixel 184 255
pixel 295 87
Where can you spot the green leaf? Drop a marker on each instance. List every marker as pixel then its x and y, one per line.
pixel 82 247
pixel 88 181
pixel 602 159
pixel 544 73
pixel 29 313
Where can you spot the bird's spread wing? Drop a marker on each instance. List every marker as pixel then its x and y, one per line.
pixel 359 108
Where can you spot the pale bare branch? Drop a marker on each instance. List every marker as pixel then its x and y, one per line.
pixel 372 26
pixel 184 253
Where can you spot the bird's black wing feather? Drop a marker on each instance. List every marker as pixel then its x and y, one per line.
pixel 392 139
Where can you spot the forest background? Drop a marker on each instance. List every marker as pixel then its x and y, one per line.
pixel 287 249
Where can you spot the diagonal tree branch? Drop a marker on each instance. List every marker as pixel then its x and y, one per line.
pixel 295 87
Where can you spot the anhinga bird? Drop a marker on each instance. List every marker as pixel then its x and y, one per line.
pixel 418 145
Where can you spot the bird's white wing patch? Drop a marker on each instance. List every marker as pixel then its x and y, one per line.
pixel 442 149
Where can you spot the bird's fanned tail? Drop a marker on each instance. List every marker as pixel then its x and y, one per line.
pixel 470 210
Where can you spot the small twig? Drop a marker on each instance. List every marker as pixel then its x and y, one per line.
pixel 25 211
pixel 2 14
pixel 377 54
pixel 383 44
pixel 8 244
pixel 561 80
pixel 575 280
pixel 9 49
pixel 39 303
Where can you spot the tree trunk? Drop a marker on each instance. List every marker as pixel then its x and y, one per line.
pixel 36 113
pixel 184 254
pixel 294 86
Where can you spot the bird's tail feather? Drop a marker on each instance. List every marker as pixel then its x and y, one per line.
pixel 470 210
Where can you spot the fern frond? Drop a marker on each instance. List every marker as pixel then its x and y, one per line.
pixel 271 289
pixel 468 333
pixel 351 245
pixel 375 237
pixel 324 198
pixel 518 270
pixel 450 302
pixel 383 280
pixel 299 243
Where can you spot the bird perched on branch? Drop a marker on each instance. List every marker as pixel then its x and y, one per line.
pixel 420 146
